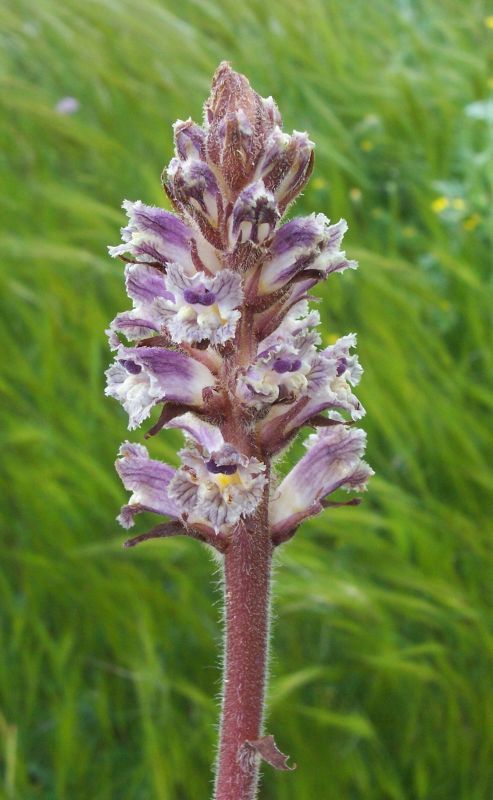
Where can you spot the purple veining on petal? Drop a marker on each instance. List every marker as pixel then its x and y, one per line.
pixel 202 432
pixel 130 366
pixel 165 375
pixel 154 234
pixel 299 233
pixel 333 455
pixel 193 185
pixel 161 222
pixel 148 480
pixel 254 216
pixel 144 283
pixel 189 139
pixel 286 165
pixel 304 248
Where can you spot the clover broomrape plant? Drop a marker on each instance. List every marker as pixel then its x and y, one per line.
pixel 222 338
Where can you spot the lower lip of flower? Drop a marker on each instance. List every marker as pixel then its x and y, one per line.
pixel 223 469
pixel 201 298
pixel 282 365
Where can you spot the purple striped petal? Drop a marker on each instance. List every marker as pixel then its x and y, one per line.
pixel 193 186
pixel 148 480
pixel 144 283
pixel 133 326
pixel 141 377
pixel 305 245
pixel 286 165
pixel 189 139
pixel 154 235
pixel 331 462
pixel 203 433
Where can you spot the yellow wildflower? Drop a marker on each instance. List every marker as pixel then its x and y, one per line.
pixel 488 21
pixel 319 183
pixel 355 194
pixel 440 204
pixel 367 145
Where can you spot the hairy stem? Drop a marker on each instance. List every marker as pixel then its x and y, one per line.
pixel 247 571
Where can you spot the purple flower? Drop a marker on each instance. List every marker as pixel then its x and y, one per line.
pixel 141 377
pixel 148 480
pixel 67 105
pixel 308 246
pixel 201 308
pixel 216 484
pixel 286 366
pixel 154 235
pixel 333 461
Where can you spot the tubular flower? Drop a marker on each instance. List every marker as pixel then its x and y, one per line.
pixel 221 327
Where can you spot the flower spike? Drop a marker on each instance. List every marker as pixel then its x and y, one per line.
pixel 222 339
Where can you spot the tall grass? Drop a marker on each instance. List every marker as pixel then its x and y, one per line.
pixel 383 647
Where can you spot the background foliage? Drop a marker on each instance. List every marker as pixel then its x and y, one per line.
pixel 383 647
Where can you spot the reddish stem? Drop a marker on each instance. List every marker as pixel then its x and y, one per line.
pixel 247 570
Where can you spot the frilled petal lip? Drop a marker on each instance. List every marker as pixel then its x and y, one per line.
pixel 181 378
pixel 144 283
pixel 155 234
pixel 142 377
pixel 132 325
pixel 305 249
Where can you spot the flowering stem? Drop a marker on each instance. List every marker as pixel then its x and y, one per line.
pixel 247 570
pixel 222 334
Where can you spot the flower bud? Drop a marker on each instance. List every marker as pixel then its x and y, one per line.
pixel 286 165
pixel 239 123
pixel 189 139
pixel 254 216
pixel 193 187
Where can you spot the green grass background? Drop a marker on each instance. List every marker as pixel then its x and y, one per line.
pixel 381 679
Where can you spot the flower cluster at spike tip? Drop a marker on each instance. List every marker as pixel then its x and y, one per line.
pixel 221 336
